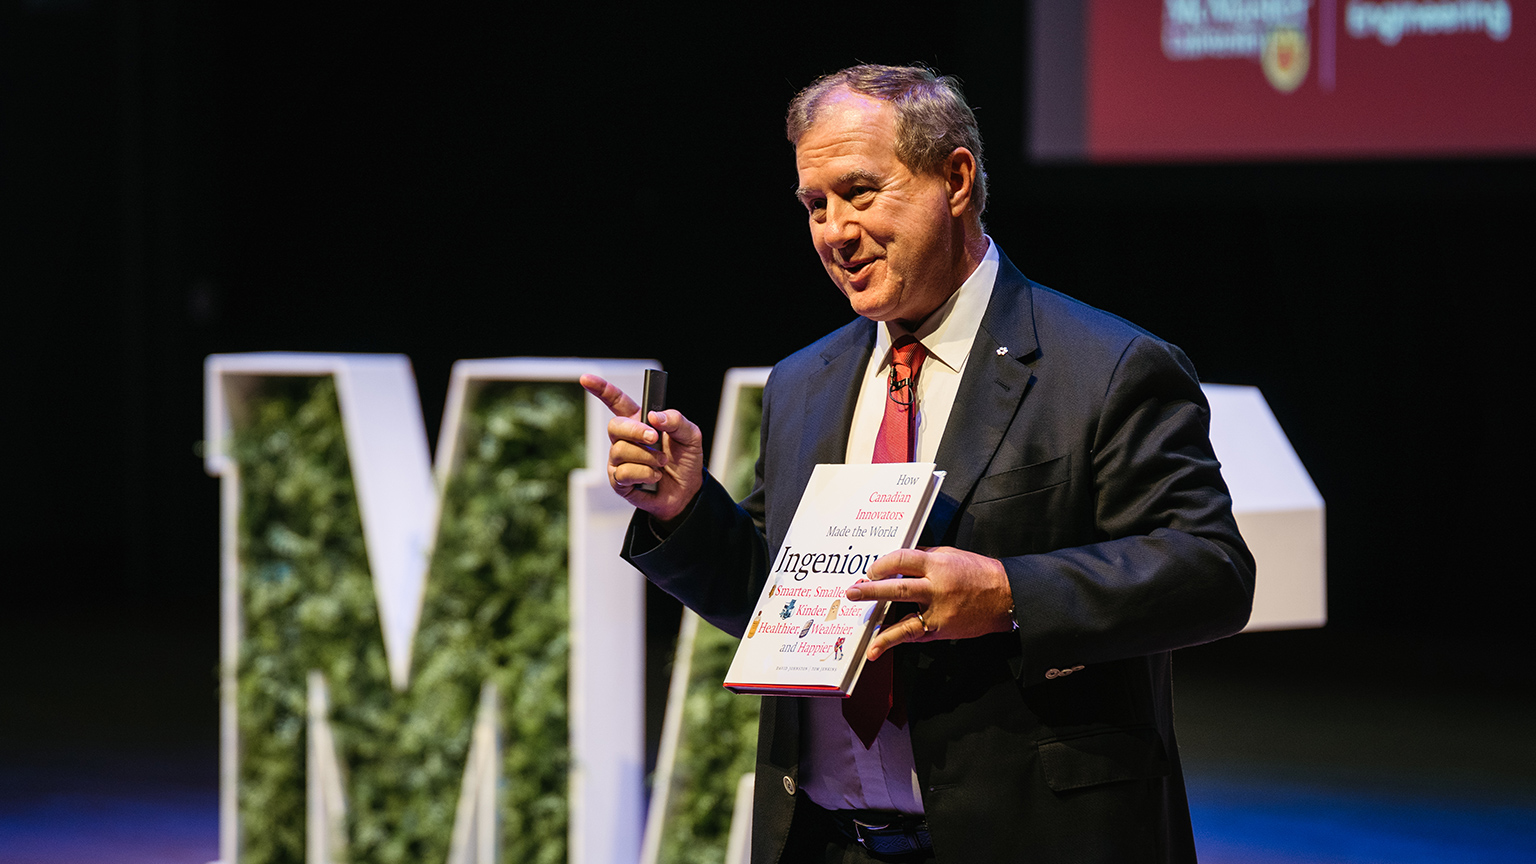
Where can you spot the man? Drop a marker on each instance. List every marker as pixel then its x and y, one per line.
pixel 1083 531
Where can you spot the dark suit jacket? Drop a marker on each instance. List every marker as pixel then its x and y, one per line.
pixel 1080 458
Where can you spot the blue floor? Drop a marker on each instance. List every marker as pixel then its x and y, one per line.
pixel 156 828
pixel 94 806
pixel 1252 821
pixel 1269 821
pixel 1290 757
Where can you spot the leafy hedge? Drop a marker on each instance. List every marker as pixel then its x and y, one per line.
pixel 497 605
pixel 496 609
pixel 718 744
pixel 307 603
pixel 746 443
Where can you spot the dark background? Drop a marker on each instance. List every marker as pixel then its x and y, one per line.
pixel 184 178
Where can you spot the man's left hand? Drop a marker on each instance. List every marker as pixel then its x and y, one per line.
pixel 960 594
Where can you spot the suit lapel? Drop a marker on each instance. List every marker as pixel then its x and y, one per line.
pixel 991 389
pixel 830 394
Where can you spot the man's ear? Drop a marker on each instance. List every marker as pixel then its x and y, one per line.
pixel 960 174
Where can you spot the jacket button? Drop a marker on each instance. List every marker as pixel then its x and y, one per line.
pixel 1066 672
pixel 789 784
pixel 1052 673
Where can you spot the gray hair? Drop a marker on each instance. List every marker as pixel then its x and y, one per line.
pixel 932 117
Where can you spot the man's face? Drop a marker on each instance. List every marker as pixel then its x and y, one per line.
pixel 886 236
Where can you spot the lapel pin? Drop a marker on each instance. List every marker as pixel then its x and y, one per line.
pixel 1001 351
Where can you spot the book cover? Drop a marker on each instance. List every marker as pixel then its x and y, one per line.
pixel 806 638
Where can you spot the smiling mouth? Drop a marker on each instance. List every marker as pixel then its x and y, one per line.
pixel 853 268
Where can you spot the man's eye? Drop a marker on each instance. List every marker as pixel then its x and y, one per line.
pixel 816 205
pixel 859 192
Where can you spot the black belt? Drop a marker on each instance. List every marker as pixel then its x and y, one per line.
pixel 883 832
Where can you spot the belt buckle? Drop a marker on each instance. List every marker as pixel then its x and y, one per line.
pixel 888 839
pixel 860 827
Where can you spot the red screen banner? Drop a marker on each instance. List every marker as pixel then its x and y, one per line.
pixel 1201 80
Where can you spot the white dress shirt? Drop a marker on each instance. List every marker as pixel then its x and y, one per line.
pixel 836 771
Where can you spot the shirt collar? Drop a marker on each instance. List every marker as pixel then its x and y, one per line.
pixel 950 331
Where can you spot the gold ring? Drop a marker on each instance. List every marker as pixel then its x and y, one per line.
pixel 920 620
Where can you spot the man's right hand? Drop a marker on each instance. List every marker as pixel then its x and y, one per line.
pixel 669 453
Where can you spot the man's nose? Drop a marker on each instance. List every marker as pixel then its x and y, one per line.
pixel 840 228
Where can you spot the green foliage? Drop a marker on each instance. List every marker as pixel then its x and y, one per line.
pixel 497 605
pixel 740 470
pixel 496 609
pixel 718 741
pixel 307 603
pixel 717 745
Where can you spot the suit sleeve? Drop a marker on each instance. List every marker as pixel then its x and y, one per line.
pixel 1168 568
pixel 716 561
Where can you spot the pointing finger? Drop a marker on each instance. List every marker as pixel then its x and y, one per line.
pixel 617 400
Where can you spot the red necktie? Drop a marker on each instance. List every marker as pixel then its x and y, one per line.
pixel 873 698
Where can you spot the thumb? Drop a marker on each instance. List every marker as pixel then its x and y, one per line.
pixel 672 422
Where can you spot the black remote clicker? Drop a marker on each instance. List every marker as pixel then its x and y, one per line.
pixel 653 398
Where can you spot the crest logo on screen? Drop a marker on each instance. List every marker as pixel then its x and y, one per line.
pixel 1286 58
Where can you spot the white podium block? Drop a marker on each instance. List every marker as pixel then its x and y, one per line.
pixel 738 848
pixel 1278 509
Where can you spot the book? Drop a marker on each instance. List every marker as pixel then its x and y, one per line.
pixel 806 638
